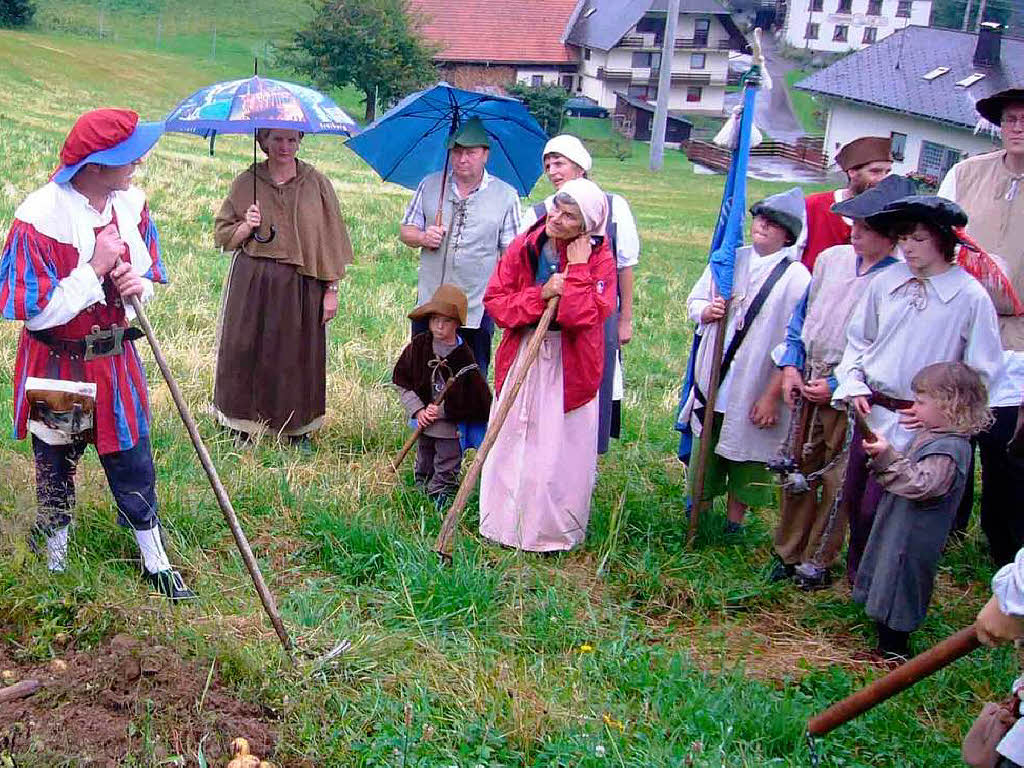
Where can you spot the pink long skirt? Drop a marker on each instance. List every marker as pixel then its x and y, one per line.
pixel 537 480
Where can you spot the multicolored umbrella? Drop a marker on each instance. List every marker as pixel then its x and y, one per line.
pixel 243 106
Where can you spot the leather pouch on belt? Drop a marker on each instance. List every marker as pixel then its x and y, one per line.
pixel 64 409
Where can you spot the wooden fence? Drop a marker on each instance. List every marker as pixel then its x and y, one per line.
pixel 807 150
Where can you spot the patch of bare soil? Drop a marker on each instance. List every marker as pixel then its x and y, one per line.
pixel 125 702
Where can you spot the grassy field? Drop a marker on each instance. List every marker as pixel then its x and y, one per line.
pixel 636 650
pixel 220 40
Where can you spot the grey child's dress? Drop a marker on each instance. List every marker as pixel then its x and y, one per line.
pixel 897 573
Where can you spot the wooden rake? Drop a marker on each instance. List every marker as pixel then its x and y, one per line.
pixel 446 537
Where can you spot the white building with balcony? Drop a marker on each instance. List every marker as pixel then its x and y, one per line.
pixel 847 25
pixel 620 44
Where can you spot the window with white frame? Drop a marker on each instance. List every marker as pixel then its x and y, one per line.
pixel 936 159
pixel 898 145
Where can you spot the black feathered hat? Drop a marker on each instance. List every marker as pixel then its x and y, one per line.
pixel 991 107
pixel 874 200
pixel 926 208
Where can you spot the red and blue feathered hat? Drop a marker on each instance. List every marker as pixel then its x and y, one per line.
pixel 105 137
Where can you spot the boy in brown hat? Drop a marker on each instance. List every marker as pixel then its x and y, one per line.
pixel 429 361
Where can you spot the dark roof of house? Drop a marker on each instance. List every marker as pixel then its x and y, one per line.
pixel 889 75
pixel 602 24
pixel 519 32
pixel 673 114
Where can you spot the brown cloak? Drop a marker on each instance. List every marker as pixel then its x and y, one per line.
pixel 311 235
pixel 469 398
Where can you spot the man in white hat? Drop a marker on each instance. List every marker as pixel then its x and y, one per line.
pixel 566 158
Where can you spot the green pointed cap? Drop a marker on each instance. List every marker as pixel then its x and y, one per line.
pixel 471 134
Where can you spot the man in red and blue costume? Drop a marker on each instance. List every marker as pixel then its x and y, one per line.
pixel 78 248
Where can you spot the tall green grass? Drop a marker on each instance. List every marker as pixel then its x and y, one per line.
pixel 636 650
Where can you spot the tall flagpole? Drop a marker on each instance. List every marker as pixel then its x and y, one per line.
pixel 724 255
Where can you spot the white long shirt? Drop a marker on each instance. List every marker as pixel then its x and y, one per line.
pixel 903 324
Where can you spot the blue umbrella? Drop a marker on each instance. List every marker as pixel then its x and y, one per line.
pixel 243 106
pixel 410 141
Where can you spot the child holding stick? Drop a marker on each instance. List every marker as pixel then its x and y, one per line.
pixel 745 431
pixel 420 375
pixel 921 493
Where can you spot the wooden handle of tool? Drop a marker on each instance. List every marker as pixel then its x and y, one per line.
pixel 862 424
pixel 21 690
pixel 411 441
pixel 269 605
pixel 700 470
pixel 443 545
pixel 915 670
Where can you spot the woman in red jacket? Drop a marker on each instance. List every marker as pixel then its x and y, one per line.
pixel 538 478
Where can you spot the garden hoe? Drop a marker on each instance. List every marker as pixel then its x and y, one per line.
pixel 218 489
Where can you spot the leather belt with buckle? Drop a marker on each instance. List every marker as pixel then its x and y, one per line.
pixel 100 342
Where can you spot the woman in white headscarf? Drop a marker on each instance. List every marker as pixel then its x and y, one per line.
pixel 538 478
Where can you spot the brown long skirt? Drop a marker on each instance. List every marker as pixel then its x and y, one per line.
pixel 271 349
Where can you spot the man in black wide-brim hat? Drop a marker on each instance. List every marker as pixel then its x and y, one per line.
pixel 990 188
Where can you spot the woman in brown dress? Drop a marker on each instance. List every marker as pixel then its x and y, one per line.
pixel 280 294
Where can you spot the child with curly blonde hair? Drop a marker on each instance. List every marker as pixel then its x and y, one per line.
pixel 922 490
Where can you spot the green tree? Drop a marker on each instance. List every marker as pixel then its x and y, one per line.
pixel 545 102
pixel 374 45
pixel 950 13
pixel 16 13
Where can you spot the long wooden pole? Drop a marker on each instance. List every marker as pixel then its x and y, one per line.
pixel 701 470
pixel 935 658
pixel 411 441
pixel 443 545
pixel 269 605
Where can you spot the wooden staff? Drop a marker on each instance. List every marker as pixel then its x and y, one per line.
pixel 915 670
pixel 704 446
pixel 438 398
pixel 862 423
pixel 218 489
pixel 443 545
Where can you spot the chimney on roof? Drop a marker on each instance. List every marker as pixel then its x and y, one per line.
pixel 990 35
